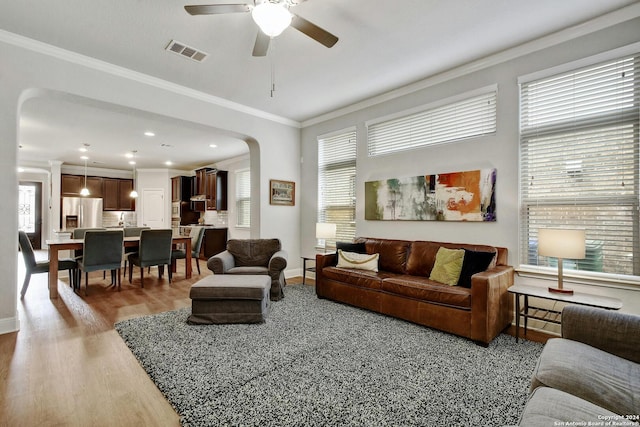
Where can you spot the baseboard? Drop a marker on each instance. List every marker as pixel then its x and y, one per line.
pixel 9 324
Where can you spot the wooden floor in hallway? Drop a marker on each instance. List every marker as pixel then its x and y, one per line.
pixel 67 366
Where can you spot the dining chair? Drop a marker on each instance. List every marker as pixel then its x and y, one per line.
pixel 154 249
pixel 78 233
pixel 196 245
pixel 130 232
pixel 34 267
pixel 102 251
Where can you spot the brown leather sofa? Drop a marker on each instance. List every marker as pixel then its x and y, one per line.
pixel 401 288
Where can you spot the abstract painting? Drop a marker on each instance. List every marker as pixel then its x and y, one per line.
pixel 456 196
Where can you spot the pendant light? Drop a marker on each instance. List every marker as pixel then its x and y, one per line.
pixel 134 193
pixel 85 191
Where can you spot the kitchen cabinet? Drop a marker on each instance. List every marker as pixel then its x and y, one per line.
pixel 216 190
pixel 181 187
pixel 116 195
pixel 210 187
pixel 72 184
pixel 213 242
pixel 200 182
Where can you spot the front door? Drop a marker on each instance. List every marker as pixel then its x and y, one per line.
pixel 30 211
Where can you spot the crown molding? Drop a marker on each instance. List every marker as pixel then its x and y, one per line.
pixel 619 16
pixel 106 67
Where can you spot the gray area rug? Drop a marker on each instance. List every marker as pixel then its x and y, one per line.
pixel 319 363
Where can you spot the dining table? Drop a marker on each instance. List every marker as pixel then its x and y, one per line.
pixel 62 244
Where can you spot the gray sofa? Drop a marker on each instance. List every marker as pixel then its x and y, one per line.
pixel 253 256
pixel 591 374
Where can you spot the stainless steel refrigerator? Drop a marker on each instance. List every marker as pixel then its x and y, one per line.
pixel 81 212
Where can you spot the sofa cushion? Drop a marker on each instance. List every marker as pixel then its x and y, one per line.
pixel 357 261
pixel 589 373
pixel 351 247
pixel 474 262
pixel 358 278
pixel 448 266
pixel 422 256
pixel 423 289
pixel 393 253
pixel 549 407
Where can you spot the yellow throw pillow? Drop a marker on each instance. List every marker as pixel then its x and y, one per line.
pixel 448 266
pixel 359 261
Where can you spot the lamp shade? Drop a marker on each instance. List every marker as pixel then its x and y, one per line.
pixel 561 243
pixel 324 230
pixel 272 18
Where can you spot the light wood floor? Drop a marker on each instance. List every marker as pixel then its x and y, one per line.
pixel 67 366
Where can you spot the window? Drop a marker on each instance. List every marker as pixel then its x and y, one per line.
pixel 579 163
pixel 243 198
pixel 475 115
pixel 336 182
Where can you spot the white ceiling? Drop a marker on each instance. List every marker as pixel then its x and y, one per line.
pixel 383 45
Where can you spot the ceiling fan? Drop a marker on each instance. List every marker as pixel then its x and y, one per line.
pixel 273 17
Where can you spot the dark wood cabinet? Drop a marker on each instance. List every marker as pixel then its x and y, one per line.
pixel 214 242
pixel 181 187
pixel 125 201
pixel 111 198
pixel 72 184
pixel 216 190
pixel 116 195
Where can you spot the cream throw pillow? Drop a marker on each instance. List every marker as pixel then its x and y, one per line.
pixel 359 261
pixel 448 266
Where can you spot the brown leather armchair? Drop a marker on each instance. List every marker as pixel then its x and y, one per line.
pixel 253 256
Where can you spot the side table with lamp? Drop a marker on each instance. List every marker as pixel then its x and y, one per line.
pixel 561 244
pixel 324 231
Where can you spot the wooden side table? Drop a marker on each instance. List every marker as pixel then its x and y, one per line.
pixel 304 267
pixel 553 316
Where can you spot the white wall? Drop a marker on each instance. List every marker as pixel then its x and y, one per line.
pixel 31 69
pixel 498 151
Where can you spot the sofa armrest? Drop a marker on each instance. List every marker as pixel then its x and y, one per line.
pixel 278 262
pixel 491 304
pixel 221 263
pixel 322 261
pixel 611 331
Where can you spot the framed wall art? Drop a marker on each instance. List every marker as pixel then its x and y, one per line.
pixel 282 193
pixel 456 196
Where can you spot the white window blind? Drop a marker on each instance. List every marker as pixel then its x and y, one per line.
pixel 336 183
pixel 580 164
pixel 243 198
pixel 470 117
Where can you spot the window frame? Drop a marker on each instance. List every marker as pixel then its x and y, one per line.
pixel 346 230
pixel 421 116
pixel 578 125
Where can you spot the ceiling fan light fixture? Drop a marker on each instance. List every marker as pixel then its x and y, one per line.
pixel 272 18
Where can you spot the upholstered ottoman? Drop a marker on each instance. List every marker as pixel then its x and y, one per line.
pixel 229 298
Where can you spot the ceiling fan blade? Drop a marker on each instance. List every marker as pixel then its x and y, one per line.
pixel 213 9
pixel 313 31
pixel 262 44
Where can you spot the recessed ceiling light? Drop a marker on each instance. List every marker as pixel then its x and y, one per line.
pixel 84 157
pixel 149 133
pixel 131 162
pixel 168 163
pixel 83 149
pixel 128 155
pixel 213 145
pixel 20 169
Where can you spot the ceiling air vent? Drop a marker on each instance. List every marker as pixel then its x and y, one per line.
pixel 186 51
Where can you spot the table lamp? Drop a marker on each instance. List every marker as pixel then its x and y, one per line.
pixel 561 244
pixel 325 230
